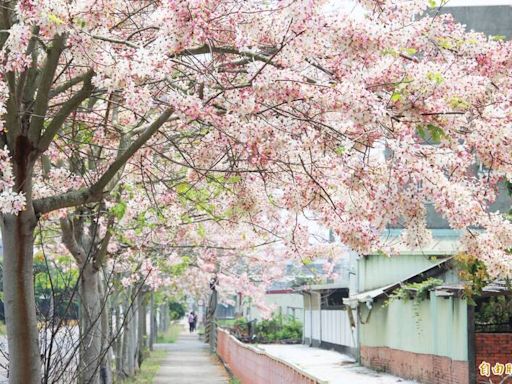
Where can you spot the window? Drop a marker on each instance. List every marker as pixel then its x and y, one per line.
pixel 333 298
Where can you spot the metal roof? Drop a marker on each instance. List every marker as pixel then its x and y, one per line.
pixel 445 242
pixel 323 287
pixel 340 284
pixel 373 294
pixel 495 288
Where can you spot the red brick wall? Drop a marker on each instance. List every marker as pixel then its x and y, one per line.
pixel 427 369
pixel 252 366
pixel 493 348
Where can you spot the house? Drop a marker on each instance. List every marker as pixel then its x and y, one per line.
pixel 491 17
pixel 282 299
pixel 413 318
pixel 414 321
pixel 285 296
pixel 286 302
pixel 328 322
pixel 425 340
pixel 435 337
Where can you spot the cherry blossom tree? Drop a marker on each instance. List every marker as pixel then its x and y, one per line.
pixel 57 58
pixel 302 109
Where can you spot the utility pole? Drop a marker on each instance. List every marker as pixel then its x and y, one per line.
pixel 210 332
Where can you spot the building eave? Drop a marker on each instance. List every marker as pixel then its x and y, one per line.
pixel 374 294
pixel 324 287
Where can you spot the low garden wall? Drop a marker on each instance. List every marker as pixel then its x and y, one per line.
pixel 251 365
pixel 425 368
pixel 493 356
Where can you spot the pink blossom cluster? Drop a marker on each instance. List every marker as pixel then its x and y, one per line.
pixel 282 113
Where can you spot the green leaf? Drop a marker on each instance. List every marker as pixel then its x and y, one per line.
pixel 396 96
pixel 435 132
pixel 119 210
pixel 457 102
pixel 64 259
pixel 182 188
pixel 498 37
pixel 444 43
pixel 55 19
pixel 411 51
pixel 431 133
pixel 389 52
pixel 380 252
pixel 421 132
pixel 433 3
pixel 186 219
pixel 234 179
pixel 80 22
pixel 201 231
pixel 436 77
pixel 180 268
pixel 340 150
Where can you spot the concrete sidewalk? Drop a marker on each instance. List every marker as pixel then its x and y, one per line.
pixel 190 362
pixel 329 366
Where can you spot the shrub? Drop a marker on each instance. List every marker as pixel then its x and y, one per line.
pixel 177 310
pixel 278 328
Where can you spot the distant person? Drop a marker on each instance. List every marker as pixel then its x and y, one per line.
pixel 192 320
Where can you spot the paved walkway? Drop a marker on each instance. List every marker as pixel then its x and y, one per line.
pixel 330 366
pixel 190 362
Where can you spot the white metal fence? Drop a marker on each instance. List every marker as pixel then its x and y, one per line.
pixel 331 326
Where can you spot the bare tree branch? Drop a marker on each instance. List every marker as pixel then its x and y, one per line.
pixel 44 86
pixel 67 108
pixel 95 192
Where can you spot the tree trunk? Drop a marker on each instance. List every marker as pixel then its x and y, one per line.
pixel 129 338
pixel 210 332
pixel 135 332
pixel 141 326
pixel 118 344
pixel 106 336
pixel 165 310
pixel 145 335
pixel 152 322
pixel 123 371
pixel 19 300
pixel 91 304
pixel 94 367
pixel 163 315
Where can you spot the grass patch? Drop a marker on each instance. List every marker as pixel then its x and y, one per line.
pixel 148 369
pixel 3 329
pixel 226 323
pixel 234 380
pixel 171 335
